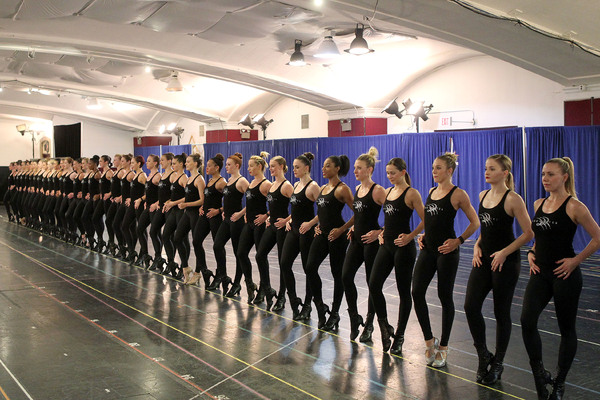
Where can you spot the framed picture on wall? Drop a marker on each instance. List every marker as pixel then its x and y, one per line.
pixel 44 147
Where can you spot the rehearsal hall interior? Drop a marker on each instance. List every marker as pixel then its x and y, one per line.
pixel 299 199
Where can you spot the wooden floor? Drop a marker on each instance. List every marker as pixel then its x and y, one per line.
pixel 78 325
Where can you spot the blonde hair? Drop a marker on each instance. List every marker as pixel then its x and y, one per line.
pixel 262 159
pixel 370 157
pixel 566 165
pixel 281 161
pixel 450 160
pixel 506 164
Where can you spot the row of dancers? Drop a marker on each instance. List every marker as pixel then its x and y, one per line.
pixel 61 196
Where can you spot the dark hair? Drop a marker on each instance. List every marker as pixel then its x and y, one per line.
pixel 181 158
pixel 140 160
pixel 218 160
pixel 342 162
pixel 306 159
pixel 126 157
pixel 95 160
pixel 198 160
pixel 400 165
pixel 154 158
pixel 107 159
pixel 281 161
pixel 69 160
pixel 237 158
pixel 169 156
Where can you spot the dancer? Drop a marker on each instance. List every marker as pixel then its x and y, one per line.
pixel 440 253
pixel 232 224
pixel 158 220
pixel 104 202
pixel 330 238
pixel 125 176
pixel 256 216
pixel 145 203
pixel 210 217
pixel 190 212
pixel 115 193
pixel 133 210
pixel 496 263
pixel 554 271
pixel 91 200
pixel 364 243
pixel 275 233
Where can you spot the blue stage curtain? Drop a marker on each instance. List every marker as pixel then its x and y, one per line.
pixel 145 152
pixel 581 144
pixel 177 150
pixel 473 148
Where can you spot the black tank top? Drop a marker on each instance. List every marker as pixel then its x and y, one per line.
pixel 85 182
pixel 212 197
pixel 177 191
pixel 439 220
pixel 56 183
pixel 303 209
pixel 397 217
pixel 256 203
pixel 232 199
pixel 76 184
pixel 278 204
pixel 192 194
pixel 104 184
pixel 137 188
pixel 496 228
pixel 126 186
pixel 115 184
pixel 329 210
pixel 94 185
pixel 366 213
pixel 164 189
pixel 554 234
pixel 151 190
pixel 68 185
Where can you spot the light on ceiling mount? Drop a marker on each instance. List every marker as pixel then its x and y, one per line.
pixel 246 121
pixel 359 45
pixel 328 48
pixel 393 108
pixel 93 104
pixel 297 58
pixel 417 109
pixel 172 129
pixel 174 85
pixel 261 121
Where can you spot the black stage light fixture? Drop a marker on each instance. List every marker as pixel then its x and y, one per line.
pixel 392 108
pixel 359 45
pixel 246 121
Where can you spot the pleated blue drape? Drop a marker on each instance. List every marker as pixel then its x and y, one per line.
pixel 581 144
pixel 145 152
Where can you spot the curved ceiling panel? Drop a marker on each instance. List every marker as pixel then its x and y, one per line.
pixel 122 11
pixel 43 9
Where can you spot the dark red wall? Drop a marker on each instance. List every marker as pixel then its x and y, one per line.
pixel 152 141
pixel 582 112
pixel 228 135
pixel 360 127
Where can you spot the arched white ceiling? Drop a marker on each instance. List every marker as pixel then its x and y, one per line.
pixel 231 55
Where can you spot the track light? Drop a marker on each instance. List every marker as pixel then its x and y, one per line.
pixel 174 85
pixel 93 104
pixel 297 59
pixel 392 108
pixel 171 126
pixel 359 45
pixel 417 109
pixel 246 121
pixel 261 121
pixel 328 48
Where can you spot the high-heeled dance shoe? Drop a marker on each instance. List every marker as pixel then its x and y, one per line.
pixel 217 281
pixel 280 303
pixel 100 246
pixel 356 321
pixel 541 377
pixel 206 275
pixel 485 359
pixel 322 311
pixel 155 266
pixel 387 331
pixel 440 358
pixel 146 261
pixel 260 296
pixel 304 314
pixel 193 279
pixel 396 348
pixel 296 304
pixel 234 290
pixel 558 387
pixel 495 372
pixel 270 294
pixel 430 351
pixel 131 257
pixel 187 275
pixel 166 270
pixel 252 291
pixel 333 322
pixel 367 333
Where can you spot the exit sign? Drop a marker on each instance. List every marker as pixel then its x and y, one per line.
pixel 446 121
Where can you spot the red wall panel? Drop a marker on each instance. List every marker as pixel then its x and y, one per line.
pixel 582 112
pixel 360 127
pixel 229 135
pixel 151 141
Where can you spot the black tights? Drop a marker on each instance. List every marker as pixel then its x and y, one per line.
pixel 64 207
pixel 204 226
pixel 295 243
pixel 446 265
pixel 402 261
pixel 117 223
pixel 357 253
pixel 542 287
pixel 70 214
pixel 142 229
pixel 319 249
pixel 128 225
pixel 97 218
pixel 249 237
pixel 110 208
pixel 158 220
pixel 271 236
pixel 481 281
pixel 187 223
pixel 172 219
pixel 77 215
pixel 86 218
pixel 228 230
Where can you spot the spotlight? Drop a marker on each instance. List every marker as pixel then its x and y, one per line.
pixel 261 121
pixel 297 59
pixel 93 104
pixel 174 84
pixel 171 126
pixel 148 69
pixel 22 128
pixel 422 112
pixel 246 121
pixel 359 45
pixel 392 108
pixel 328 48
pixel 162 129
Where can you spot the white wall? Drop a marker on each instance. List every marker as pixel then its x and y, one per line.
pixel 286 115
pixel 495 92
pixel 99 140
pixel 17 147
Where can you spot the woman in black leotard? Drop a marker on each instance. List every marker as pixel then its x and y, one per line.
pixel 133 209
pixel 397 251
pixel 194 197
pixel 91 200
pixel 440 254
pixel 74 201
pixel 300 234
pixel 113 206
pixel 330 238
pixel 232 224
pixel 173 214
pixel 278 199
pixel 146 203
pixel 210 218
pixel 159 218
pixel 554 271
pixel 104 201
pixel 83 192
pixel 496 263
pixel 256 215
pixel 364 243
pixel 125 176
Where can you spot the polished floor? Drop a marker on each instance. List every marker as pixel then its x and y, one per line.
pixel 78 325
